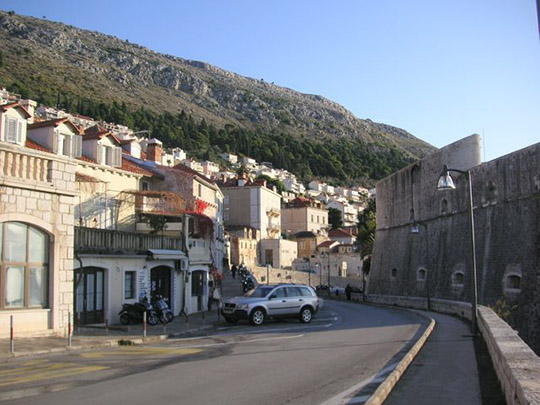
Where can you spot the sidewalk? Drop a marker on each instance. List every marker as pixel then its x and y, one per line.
pixel 90 337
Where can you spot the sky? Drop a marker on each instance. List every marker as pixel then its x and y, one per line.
pixel 441 70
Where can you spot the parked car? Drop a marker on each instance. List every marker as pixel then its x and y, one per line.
pixel 273 301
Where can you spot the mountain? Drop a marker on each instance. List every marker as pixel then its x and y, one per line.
pixel 43 59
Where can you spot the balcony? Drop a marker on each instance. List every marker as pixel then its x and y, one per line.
pixel 106 241
pixel 31 169
pixel 199 251
pixel 273 212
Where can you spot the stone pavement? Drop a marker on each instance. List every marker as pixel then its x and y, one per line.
pixel 90 337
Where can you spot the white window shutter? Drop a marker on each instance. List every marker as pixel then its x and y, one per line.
pixel 19 132
pixel 11 128
pixel 118 157
pixel 100 154
pixel 55 142
pixel 76 146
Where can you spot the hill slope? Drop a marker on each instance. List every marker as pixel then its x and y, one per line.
pixel 46 58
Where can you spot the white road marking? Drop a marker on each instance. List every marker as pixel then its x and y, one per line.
pixel 245 341
pixel 341 398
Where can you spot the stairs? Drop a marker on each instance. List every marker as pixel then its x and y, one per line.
pixel 231 287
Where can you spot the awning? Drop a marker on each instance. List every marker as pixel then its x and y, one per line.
pixel 164 254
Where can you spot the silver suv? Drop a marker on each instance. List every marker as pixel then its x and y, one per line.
pixel 273 301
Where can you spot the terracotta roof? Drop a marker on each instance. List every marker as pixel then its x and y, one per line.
pixel 16 104
pixel 327 243
pixel 85 159
pixel 133 167
pixel 186 169
pixel 54 123
pixel 339 233
pixel 98 132
pixel 33 145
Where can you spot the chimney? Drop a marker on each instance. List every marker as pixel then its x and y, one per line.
pixel 241 179
pixel 153 151
pixel 30 106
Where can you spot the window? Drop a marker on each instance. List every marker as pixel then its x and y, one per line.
pixel 457 278
pixel 145 186
pixel 130 278
pixel 421 275
pixel 200 190
pixel 24 266
pixel 13 130
pixel 110 155
pixel 513 282
pixel 393 273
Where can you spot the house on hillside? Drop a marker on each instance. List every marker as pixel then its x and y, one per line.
pixel 303 214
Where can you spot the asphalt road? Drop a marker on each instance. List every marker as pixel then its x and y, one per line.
pixel 337 357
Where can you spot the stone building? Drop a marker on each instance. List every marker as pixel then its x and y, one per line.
pixel 37 196
pixel 423 241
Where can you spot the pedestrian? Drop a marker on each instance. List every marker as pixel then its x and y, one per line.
pixel 348 292
pixel 210 299
pixel 233 271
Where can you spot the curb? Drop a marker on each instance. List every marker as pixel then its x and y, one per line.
pixel 107 343
pixel 384 389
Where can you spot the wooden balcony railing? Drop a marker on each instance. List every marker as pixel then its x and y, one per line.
pixel 91 240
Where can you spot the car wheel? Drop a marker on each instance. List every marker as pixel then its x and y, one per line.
pixel 306 315
pixel 231 320
pixel 257 316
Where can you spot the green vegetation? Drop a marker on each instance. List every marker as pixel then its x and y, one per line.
pixel 334 218
pixel 273 182
pixel 343 160
pixel 367 225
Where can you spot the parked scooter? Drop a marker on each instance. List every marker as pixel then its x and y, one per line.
pixel 163 311
pixel 133 313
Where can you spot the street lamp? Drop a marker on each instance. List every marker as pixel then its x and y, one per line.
pixel 446 182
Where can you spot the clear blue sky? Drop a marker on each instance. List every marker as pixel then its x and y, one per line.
pixel 440 69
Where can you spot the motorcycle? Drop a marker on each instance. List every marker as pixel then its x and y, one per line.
pixel 163 311
pixel 133 313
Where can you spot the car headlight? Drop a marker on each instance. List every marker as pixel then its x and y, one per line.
pixel 242 306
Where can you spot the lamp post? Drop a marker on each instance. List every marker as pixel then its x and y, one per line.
pixel 446 182
pixel 415 231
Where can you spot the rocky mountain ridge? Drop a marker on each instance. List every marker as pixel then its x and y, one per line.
pixel 103 67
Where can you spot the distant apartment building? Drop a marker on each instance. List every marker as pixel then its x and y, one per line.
pixel 244 245
pixel 279 253
pixel 248 162
pixel 303 214
pixel 193 165
pixel 251 204
pixel 210 169
pixel 348 213
pixel 229 157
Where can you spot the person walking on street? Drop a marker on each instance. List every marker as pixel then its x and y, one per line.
pixel 348 292
pixel 233 271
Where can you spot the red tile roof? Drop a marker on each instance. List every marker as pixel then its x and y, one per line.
pixel 33 145
pixel 16 104
pixel 187 170
pixel 98 132
pixel 133 167
pixel 55 123
pixel 339 233
pixel 327 243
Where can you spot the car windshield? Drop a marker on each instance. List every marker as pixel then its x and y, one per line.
pixel 259 292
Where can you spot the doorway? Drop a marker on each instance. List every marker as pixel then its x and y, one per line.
pixel 160 283
pixel 89 295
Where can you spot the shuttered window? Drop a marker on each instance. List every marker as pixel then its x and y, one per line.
pixel 76 146
pixel 13 130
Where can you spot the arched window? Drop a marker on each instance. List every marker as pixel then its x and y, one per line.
pixel 393 274
pixel 421 275
pixel 457 278
pixel 24 271
pixel 513 282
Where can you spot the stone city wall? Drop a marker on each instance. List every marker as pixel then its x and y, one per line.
pixel 436 261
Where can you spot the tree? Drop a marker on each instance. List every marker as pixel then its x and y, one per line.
pixel 280 187
pixel 334 218
pixel 367 225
